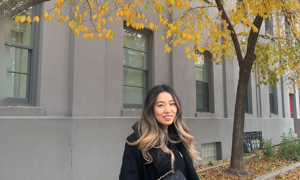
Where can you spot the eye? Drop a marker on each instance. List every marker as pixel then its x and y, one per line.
pixel 172 104
pixel 160 105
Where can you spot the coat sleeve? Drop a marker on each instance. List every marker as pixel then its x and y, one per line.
pixel 132 163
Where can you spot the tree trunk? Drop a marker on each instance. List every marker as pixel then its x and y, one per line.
pixel 237 161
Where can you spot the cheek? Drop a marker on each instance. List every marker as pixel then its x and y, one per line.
pixel 175 110
pixel 157 111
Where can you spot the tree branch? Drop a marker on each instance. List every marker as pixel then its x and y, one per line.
pixel 232 34
pixel 253 36
pixel 25 6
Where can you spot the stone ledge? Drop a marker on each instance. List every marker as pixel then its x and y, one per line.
pixel 205 114
pixel 21 111
pixel 131 113
pixel 282 171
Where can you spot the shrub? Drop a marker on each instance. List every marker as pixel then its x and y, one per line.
pixel 268 148
pixel 289 147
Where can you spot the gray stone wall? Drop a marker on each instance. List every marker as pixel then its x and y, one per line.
pixel 91 148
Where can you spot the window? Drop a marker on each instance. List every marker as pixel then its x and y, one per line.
pixel 203 84
pixel 272 98
pixel 19 62
pixel 269 25
pixel 135 67
pixel 248 105
pixel 209 152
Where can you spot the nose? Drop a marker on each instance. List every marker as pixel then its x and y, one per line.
pixel 167 109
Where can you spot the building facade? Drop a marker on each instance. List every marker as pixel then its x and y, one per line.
pixel 67 104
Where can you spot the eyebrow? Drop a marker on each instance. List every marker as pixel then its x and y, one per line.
pixel 164 102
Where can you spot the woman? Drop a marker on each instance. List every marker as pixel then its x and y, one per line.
pixel 161 143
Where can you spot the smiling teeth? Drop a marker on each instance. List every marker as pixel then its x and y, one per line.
pixel 167 116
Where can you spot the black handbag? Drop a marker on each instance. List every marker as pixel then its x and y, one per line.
pixel 176 175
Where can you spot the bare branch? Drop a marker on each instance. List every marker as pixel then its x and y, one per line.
pixel 25 6
pixel 232 34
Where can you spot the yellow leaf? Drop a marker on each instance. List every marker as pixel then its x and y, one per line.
pixel 58 11
pixel 162 38
pixel 67 18
pixel 104 31
pixel 17 18
pixel 76 31
pixel 92 5
pixel 146 22
pixel 29 19
pixel 77 7
pixel 111 20
pixel 85 14
pixel 151 26
pixel 46 14
pixel 92 29
pixel 99 36
pixel 22 18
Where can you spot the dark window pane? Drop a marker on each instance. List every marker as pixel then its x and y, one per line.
pixel 134 40
pixel 271 88
pixel 272 106
pixel 133 95
pixel 134 58
pixel 202 96
pixel 16 85
pixel 201 102
pixel 246 104
pixel 201 88
pixel 134 77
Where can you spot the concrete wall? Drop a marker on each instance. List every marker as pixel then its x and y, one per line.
pixel 91 148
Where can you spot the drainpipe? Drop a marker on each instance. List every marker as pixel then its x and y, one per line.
pixel 259 92
pixel 282 96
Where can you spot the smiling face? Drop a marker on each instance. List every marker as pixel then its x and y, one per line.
pixel 165 109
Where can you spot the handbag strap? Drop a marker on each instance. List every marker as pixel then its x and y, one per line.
pixel 171 171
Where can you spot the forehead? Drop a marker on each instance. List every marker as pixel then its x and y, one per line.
pixel 164 96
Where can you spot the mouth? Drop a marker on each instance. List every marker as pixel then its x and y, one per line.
pixel 168 118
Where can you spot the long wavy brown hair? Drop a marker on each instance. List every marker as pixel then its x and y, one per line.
pixel 152 135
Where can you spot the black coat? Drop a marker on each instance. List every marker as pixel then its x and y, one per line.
pixel 134 167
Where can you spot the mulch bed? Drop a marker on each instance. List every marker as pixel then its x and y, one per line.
pixel 257 166
pixel 294 174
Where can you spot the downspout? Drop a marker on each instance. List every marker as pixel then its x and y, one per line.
pixel 259 95
pixel 224 83
pixel 282 96
pixel 257 99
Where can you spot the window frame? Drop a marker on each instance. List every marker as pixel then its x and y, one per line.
pixel 33 48
pixel 146 33
pixel 274 94
pixel 269 26
pixel 248 104
pixel 209 83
